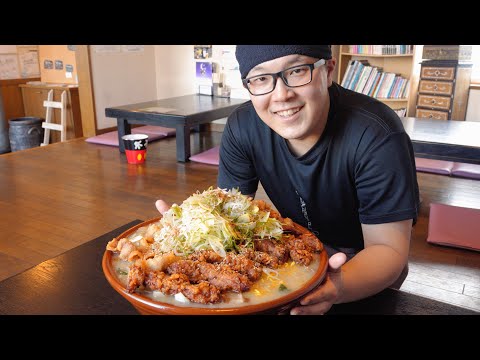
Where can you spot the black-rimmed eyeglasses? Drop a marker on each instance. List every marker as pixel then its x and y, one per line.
pixel 294 76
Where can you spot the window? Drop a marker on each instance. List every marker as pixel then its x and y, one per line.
pixel 475 79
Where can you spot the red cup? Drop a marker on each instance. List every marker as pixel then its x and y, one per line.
pixel 135 147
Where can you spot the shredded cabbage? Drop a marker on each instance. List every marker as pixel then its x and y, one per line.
pixel 215 219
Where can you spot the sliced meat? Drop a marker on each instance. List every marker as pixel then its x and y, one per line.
pixel 243 265
pixel 203 293
pixel 260 257
pixel 274 248
pixel 209 256
pixel 222 276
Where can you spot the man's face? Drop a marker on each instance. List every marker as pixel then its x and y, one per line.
pixel 299 113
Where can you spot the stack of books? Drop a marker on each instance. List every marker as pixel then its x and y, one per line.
pixel 361 77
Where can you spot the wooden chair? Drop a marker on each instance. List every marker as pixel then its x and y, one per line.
pixel 47 124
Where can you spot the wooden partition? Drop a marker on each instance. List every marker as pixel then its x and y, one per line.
pixel 58 64
pixel 12 97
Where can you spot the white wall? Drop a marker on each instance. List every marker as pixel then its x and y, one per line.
pixel 473 106
pixel 175 70
pixel 8 49
pixel 159 72
pixel 121 78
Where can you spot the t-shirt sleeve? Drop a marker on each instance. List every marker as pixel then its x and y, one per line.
pixel 386 181
pixel 236 168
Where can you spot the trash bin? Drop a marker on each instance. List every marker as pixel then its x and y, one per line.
pixel 25 133
pixel 4 142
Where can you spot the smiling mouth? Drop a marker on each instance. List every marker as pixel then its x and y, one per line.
pixel 288 113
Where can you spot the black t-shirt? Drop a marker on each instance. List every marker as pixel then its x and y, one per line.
pixel 361 170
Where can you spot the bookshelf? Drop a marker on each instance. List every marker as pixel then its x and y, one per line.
pixel 406 66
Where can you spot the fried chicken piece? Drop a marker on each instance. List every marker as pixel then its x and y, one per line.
pixel 203 293
pixel 209 256
pixel 298 250
pixel 301 256
pixel 311 242
pixel 260 257
pixel 221 276
pixel 125 247
pixel 289 226
pixel 152 229
pixel 243 265
pixel 187 267
pixel 167 284
pixel 225 278
pixel 263 206
pixel 274 248
pixel 136 276
pixel 112 244
pixel 160 261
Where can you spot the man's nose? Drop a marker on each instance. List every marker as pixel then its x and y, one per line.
pixel 281 89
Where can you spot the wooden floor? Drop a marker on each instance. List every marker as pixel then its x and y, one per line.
pixel 443 273
pixel 60 196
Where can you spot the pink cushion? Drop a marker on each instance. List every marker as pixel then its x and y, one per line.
pixel 454 226
pixel 471 171
pixel 211 156
pixel 111 138
pixel 433 166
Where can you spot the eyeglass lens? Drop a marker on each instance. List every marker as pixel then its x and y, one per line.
pixel 295 76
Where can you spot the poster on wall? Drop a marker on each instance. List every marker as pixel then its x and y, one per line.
pixel 204 77
pixel 47 64
pixel 58 65
pixel 133 48
pixel 9 66
pixel 28 61
pixel 202 51
pixel 106 48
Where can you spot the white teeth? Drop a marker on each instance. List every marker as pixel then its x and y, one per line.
pixel 288 112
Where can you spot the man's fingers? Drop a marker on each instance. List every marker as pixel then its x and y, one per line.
pixel 336 261
pixel 162 206
pixel 315 309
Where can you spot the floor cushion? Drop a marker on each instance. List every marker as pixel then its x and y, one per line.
pixel 210 156
pixel 465 170
pixel 454 226
pixel 153 132
pixel 434 166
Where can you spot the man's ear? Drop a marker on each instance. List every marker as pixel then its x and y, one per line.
pixel 330 64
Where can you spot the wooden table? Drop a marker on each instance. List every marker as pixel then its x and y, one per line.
pixel 445 140
pixel 73 283
pixel 181 113
pixel 57 197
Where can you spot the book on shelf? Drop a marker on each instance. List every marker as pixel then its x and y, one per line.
pixel 348 73
pixel 376 81
pixel 379 85
pixel 362 77
pixel 357 70
pixel 370 80
pixel 381 49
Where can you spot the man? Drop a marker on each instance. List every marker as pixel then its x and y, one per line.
pixel 335 161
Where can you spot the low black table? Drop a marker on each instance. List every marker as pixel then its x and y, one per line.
pixel 444 139
pixel 74 283
pixel 181 113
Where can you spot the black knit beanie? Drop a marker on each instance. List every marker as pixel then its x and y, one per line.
pixel 249 56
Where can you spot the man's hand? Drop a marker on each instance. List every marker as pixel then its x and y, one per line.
pixel 162 206
pixel 321 299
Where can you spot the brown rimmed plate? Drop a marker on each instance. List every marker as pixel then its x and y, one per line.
pixel 148 306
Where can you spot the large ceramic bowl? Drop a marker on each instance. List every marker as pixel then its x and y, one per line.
pixel 147 306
